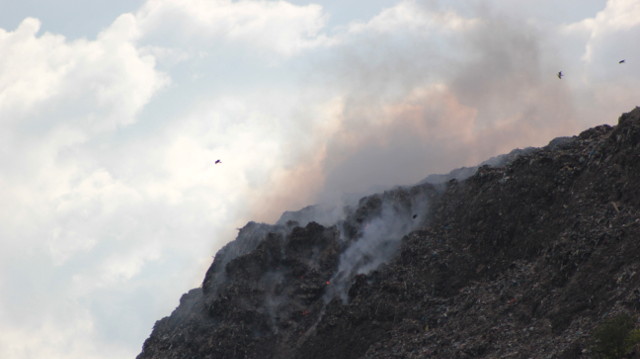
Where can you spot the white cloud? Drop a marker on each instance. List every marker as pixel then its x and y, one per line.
pixel 56 95
pixel 97 85
pixel 25 77
pixel 262 26
pixel 618 16
pixel 410 15
pixel 59 206
pixel 600 85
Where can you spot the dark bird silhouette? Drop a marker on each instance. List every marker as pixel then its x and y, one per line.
pixel 621 61
pixel 560 74
pixel 218 161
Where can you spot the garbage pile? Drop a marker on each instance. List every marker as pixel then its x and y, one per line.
pixel 523 259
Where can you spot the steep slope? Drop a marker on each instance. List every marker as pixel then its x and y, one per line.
pixel 520 260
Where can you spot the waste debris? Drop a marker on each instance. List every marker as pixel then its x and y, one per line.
pixel 523 258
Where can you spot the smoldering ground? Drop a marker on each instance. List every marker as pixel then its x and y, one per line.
pixel 418 90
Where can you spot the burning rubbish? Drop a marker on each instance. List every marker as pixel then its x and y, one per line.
pixel 526 256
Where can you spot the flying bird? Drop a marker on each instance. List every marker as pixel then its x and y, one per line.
pixel 560 74
pixel 621 61
pixel 217 161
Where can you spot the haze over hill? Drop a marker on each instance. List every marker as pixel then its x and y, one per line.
pixel 113 113
pixel 522 257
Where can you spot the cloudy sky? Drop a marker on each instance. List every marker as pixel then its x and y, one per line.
pixel 112 113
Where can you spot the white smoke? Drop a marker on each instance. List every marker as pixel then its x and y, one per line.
pixel 378 238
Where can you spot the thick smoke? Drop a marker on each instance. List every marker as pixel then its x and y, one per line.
pixel 418 89
pixel 455 91
pixel 370 232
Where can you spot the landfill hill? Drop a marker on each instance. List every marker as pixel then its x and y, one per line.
pixel 520 258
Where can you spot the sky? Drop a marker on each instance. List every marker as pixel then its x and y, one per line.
pixel 112 114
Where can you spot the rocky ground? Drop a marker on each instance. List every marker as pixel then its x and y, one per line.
pixel 521 260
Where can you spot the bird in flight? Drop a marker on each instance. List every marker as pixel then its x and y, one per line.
pixel 621 61
pixel 560 74
pixel 217 161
